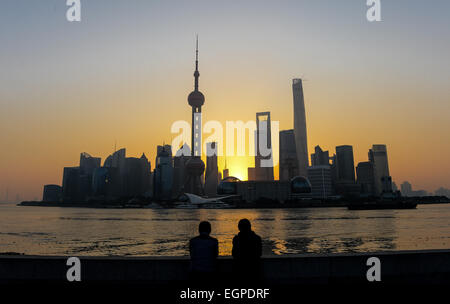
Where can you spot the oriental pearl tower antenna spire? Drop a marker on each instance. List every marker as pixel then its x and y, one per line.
pixel 196 73
pixel 195 166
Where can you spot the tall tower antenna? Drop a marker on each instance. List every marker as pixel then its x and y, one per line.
pixel 195 166
pixel 196 73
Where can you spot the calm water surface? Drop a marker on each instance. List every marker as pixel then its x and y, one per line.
pixel 157 232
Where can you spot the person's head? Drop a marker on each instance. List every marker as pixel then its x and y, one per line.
pixel 244 225
pixel 204 228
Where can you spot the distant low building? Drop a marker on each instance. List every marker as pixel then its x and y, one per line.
pixel 52 193
pixel 406 189
pixel 347 189
pixel 442 192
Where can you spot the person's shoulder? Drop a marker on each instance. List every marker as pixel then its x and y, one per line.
pixel 257 237
pixel 195 238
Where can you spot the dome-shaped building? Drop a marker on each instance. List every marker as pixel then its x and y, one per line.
pixel 228 185
pixel 300 185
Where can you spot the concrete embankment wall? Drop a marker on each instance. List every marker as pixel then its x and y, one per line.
pixel 405 266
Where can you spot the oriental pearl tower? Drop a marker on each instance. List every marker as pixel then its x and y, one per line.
pixel 195 166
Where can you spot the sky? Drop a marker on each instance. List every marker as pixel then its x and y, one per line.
pixel 123 74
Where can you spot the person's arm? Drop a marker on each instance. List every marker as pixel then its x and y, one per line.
pixel 235 250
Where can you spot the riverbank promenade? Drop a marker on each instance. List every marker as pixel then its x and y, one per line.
pixel 426 266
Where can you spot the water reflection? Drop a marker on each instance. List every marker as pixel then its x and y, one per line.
pixel 147 232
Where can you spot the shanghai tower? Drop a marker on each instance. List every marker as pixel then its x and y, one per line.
pixel 301 143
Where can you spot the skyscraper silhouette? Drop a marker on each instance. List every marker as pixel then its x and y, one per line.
pixel 195 166
pixel 163 174
pixel 263 149
pixel 345 163
pixel 378 156
pixel 288 155
pixel 300 127
pixel 212 171
pixel 320 157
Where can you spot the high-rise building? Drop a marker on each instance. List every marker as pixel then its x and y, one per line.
pixel 288 155
pixel 116 162
pixel 300 127
pixel 71 185
pixel 182 156
pixel 345 164
pixel 195 166
pixel 116 159
pixel 106 183
pixel 136 176
pixel 87 166
pixel 123 176
pixel 163 173
pixel 378 156
pixel 343 172
pixel 263 148
pixel 88 163
pixel 320 179
pixel 320 157
pixel 366 178
pixel 212 170
pixel 77 181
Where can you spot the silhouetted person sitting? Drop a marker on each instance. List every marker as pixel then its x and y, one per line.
pixel 247 250
pixel 204 251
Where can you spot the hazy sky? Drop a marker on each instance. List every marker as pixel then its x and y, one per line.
pixel 124 72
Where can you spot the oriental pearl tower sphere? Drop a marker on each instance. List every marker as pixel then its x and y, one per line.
pixel 195 166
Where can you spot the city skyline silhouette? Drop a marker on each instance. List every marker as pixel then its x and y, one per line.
pixel 84 86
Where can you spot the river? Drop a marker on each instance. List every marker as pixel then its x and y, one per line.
pixel 165 232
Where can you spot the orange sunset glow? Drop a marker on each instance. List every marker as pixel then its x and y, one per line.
pixel 67 89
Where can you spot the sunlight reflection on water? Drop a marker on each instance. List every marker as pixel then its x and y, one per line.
pixel 156 232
